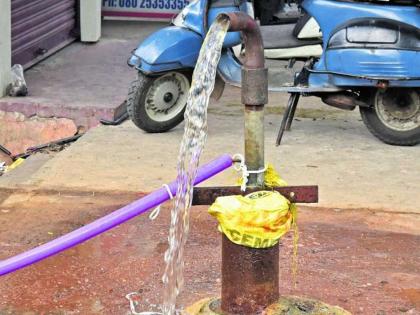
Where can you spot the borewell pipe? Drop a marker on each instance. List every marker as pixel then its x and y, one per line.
pixel 250 277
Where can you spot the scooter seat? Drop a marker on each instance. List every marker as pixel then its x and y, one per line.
pixel 280 42
pixel 282 36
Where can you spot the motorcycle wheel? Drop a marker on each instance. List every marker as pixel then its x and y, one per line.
pixel 157 104
pixel 394 115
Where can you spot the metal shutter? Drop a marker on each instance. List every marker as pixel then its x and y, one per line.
pixel 40 28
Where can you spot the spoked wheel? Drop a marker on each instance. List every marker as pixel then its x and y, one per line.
pixel 394 116
pixel 157 104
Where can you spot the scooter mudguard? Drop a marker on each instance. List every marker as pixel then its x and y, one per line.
pixel 168 49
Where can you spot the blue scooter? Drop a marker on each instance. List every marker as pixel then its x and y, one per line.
pixel 362 54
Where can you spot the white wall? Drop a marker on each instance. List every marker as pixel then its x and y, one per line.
pixel 90 20
pixel 5 45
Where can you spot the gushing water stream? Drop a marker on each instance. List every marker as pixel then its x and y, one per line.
pixel 195 134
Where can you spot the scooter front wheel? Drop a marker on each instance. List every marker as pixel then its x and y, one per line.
pixel 157 103
pixel 394 115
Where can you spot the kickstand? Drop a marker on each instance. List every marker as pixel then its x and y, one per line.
pixel 287 120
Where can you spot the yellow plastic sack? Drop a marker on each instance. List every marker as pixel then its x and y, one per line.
pixel 256 220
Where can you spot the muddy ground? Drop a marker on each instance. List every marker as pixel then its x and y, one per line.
pixel 365 261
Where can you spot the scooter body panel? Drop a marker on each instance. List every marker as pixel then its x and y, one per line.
pixel 177 47
pixel 366 43
pixel 331 14
pixel 193 19
pixel 193 16
pixel 168 49
pixel 380 63
pixel 232 38
pixel 230 69
pixel 323 81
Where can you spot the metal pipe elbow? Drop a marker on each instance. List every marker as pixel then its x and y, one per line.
pixel 254 48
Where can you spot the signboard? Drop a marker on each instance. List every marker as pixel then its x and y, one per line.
pixel 157 10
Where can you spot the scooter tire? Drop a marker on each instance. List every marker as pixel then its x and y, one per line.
pixel 136 107
pixel 384 133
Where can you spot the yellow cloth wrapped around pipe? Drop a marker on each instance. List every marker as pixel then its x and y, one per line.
pixel 256 220
pixel 272 178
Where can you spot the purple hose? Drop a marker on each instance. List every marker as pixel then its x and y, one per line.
pixel 109 221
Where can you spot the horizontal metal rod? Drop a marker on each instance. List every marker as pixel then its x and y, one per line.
pixel 298 194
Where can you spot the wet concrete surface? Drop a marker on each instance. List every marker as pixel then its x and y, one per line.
pixel 357 259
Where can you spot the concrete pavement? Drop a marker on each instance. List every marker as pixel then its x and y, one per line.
pixel 327 147
pixel 83 82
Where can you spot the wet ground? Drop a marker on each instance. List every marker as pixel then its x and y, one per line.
pixel 365 261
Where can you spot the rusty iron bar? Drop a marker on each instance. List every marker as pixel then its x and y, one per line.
pixel 296 194
pixel 250 277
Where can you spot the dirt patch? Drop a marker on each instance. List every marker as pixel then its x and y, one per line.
pixel 343 259
pixel 413 295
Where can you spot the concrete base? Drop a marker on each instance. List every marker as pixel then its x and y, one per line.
pixel 288 305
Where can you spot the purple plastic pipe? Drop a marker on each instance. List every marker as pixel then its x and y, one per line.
pixel 109 221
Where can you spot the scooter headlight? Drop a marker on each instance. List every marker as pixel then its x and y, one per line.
pixel 134 60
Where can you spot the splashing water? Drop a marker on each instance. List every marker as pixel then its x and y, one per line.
pixel 195 134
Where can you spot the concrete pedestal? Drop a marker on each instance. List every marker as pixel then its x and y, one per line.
pixel 288 305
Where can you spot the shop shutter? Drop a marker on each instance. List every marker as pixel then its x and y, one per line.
pixel 41 27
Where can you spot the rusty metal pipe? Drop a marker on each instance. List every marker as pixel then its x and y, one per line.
pixel 251 36
pixel 254 91
pixel 250 277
